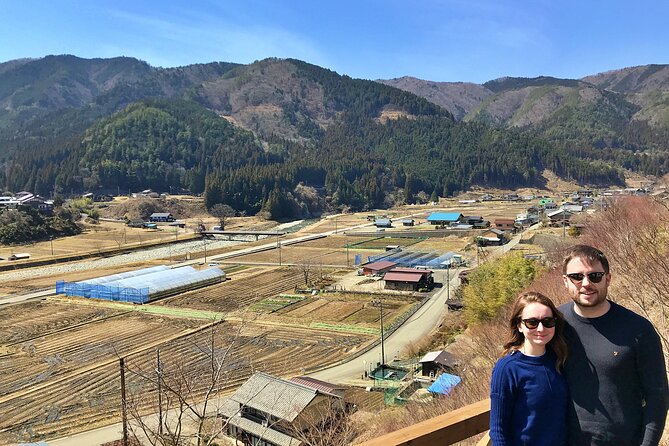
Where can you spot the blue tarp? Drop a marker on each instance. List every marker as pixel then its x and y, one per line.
pixel 444 384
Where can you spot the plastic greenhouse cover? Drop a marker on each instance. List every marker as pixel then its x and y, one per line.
pixel 120 276
pixel 165 280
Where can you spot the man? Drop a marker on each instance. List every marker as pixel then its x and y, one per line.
pixel 615 367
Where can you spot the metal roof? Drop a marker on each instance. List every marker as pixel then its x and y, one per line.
pixel 381 264
pixel 444 216
pixel 275 396
pixel 318 384
pixel 440 357
pixel 264 432
pixel 402 276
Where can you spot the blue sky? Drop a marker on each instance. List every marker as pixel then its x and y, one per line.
pixel 440 40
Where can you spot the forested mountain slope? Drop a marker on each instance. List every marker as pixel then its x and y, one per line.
pixel 248 135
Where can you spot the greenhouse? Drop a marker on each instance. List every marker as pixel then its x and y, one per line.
pixel 143 285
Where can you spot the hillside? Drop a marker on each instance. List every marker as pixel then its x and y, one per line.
pixel 620 116
pixel 274 134
pixel 459 98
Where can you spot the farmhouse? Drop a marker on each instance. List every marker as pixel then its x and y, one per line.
pixel 161 217
pixel 491 237
pixel 378 268
pixel 267 410
pixel 408 279
pixel 505 224
pixel 444 218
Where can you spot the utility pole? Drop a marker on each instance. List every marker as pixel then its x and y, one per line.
pixel 347 263
pixel 448 282
pixel 124 403
pixel 51 241
pixel 205 249
pixel 159 378
pixel 383 354
pixel 278 245
pixel 564 231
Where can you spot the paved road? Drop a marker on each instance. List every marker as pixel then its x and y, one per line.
pixel 417 327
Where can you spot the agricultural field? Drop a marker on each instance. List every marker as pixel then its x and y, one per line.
pixel 96 238
pixel 73 376
pixel 240 292
pixel 59 371
pixel 382 242
pixel 348 309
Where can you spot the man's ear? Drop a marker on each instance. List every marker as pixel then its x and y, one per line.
pixel 565 281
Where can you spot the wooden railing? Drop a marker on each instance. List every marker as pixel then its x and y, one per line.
pixel 445 429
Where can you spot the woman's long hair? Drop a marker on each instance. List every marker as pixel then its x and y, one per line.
pixel 516 340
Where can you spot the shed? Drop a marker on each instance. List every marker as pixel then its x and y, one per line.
pixel 135 223
pixel 408 222
pixel 436 362
pixel 379 267
pixel 383 223
pixel 19 256
pixel 408 279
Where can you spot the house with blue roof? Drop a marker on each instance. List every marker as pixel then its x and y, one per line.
pixel 444 218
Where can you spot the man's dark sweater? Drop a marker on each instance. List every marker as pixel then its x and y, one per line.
pixel 617 379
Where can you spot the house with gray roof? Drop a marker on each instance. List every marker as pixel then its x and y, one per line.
pixel 267 410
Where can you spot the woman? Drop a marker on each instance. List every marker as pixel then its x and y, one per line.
pixel 528 393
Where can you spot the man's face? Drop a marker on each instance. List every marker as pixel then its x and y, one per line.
pixel 586 293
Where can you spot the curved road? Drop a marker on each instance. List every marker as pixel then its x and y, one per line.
pixel 418 326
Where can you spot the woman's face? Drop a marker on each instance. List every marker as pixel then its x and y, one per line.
pixel 538 337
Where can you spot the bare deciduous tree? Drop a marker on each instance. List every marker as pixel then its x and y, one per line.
pixel 175 401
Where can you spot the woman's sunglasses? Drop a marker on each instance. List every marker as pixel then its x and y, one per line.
pixel 533 322
pixel 592 277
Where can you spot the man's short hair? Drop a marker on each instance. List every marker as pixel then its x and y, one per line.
pixel 586 253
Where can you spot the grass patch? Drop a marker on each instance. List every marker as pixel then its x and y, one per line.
pixel 276 303
pixel 346 328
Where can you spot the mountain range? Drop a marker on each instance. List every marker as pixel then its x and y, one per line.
pixel 249 135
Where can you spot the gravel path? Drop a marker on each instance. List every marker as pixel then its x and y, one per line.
pixel 178 249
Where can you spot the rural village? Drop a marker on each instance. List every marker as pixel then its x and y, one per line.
pixel 295 317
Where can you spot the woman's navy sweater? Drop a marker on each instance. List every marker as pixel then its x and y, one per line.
pixel 529 401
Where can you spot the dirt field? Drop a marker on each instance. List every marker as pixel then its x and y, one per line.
pixel 95 238
pixel 59 368
pixel 65 381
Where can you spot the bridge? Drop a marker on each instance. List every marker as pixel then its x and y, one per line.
pixel 230 234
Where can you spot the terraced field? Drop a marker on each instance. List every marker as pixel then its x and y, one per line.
pixel 86 393
pixel 357 309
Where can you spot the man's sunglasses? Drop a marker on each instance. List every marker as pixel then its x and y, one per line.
pixel 592 277
pixel 533 322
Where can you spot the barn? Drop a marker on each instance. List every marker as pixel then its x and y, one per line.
pixel 408 279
